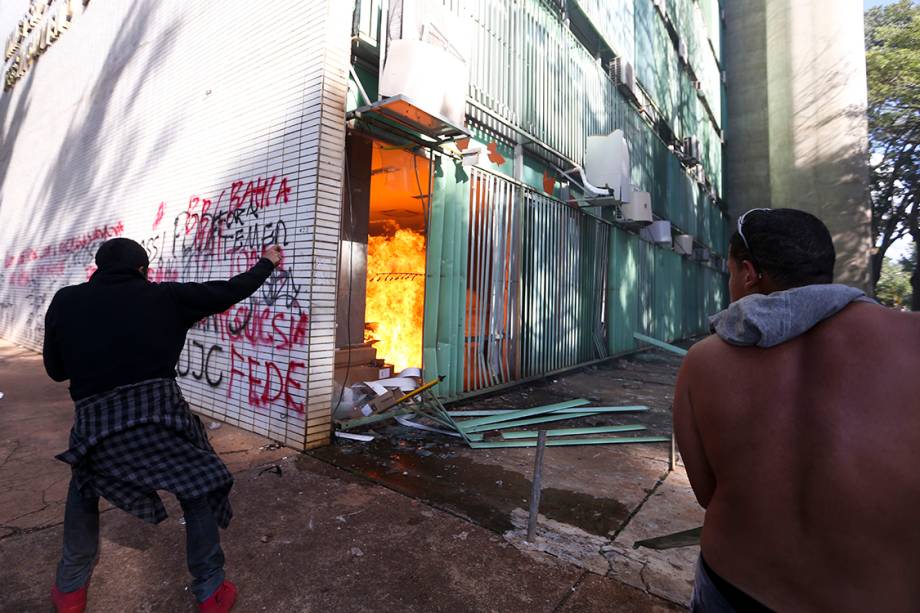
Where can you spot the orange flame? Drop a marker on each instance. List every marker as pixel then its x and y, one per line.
pixel 396 296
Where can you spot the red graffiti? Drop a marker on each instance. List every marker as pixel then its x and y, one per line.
pixel 266 382
pixel 20 278
pixel 66 246
pixel 160 212
pixel 243 260
pixel 258 195
pixel 79 242
pixel 161 275
pixel 261 327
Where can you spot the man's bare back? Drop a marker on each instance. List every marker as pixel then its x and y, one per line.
pixel 803 455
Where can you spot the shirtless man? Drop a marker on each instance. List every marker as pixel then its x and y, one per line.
pixel 799 434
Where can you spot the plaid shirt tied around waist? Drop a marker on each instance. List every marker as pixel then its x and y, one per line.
pixel 134 440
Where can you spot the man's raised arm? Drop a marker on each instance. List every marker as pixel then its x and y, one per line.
pixel 199 300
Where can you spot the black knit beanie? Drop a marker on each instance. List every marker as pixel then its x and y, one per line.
pixel 121 253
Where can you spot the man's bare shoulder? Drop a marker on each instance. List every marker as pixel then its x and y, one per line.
pixel 874 319
pixel 708 351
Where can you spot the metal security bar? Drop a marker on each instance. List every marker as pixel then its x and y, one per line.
pixel 564 285
pixel 492 292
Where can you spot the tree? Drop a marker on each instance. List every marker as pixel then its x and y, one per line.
pixel 909 261
pixel 893 69
pixel 893 288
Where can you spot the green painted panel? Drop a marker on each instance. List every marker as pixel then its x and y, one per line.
pixel 445 277
pixel 622 294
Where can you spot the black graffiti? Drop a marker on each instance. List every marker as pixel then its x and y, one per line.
pixel 260 236
pixel 154 246
pixel 236 328
pixel 204 369
pixel 280 286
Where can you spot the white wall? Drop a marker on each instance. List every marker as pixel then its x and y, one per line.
pixel 144 116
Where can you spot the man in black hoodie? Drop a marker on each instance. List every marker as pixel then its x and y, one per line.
pixel 117 338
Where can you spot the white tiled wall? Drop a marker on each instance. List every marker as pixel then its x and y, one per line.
pixel 153 120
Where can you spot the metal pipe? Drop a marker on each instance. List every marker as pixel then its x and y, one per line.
pixel 535 489
pixel 383 40
pixel 354 75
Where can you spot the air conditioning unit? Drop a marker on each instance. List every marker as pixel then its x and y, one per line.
pixel 638 209
pixel 698 86
pixel 432 77
pixel 701 254
pixel 431 22
pixel 682 51
pixel 659 232
pixel 683 244
pixel 607 164
pixel 624 75
pixel 693 151
pixel 724 76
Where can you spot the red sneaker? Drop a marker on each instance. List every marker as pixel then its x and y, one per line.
pixel 221 601
pixel 70 602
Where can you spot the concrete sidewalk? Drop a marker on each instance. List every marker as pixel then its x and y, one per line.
pixel 307 536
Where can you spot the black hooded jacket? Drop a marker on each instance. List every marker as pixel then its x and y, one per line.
pixel 118 328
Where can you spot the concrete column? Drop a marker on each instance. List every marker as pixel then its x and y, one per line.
pixel 797 112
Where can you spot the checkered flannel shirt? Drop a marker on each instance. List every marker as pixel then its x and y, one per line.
pixel 134 440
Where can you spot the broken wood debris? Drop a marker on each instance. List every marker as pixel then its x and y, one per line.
pixel 660 344
pixel 422 404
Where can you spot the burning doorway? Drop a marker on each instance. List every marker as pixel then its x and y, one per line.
pixel 395 304
pixel 381 292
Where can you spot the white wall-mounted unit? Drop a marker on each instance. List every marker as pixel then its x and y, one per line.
pixel 682 51
pixel 683 244
pixel 659 232
pixel 434 23
pixel 624 75
pixel 431 77
pixel 607 164
pixel 638 209
pixel 428 60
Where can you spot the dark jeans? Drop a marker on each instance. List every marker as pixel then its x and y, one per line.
pixel 706 596
pixel 81 543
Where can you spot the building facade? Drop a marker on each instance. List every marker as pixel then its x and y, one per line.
pixel 799 136
pixel 472 248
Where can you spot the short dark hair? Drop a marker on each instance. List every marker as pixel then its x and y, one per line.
pixel 793 247
pixel 121 253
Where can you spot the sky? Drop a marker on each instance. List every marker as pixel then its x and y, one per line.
pixel 868 4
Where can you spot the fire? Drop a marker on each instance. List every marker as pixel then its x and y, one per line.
pixel 396 296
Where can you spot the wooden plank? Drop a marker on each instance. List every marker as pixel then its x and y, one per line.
pixel 525 422
pixel 573 441
pixel 548 408
pixel 660 344
pixel 485 412
pixel 573 431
